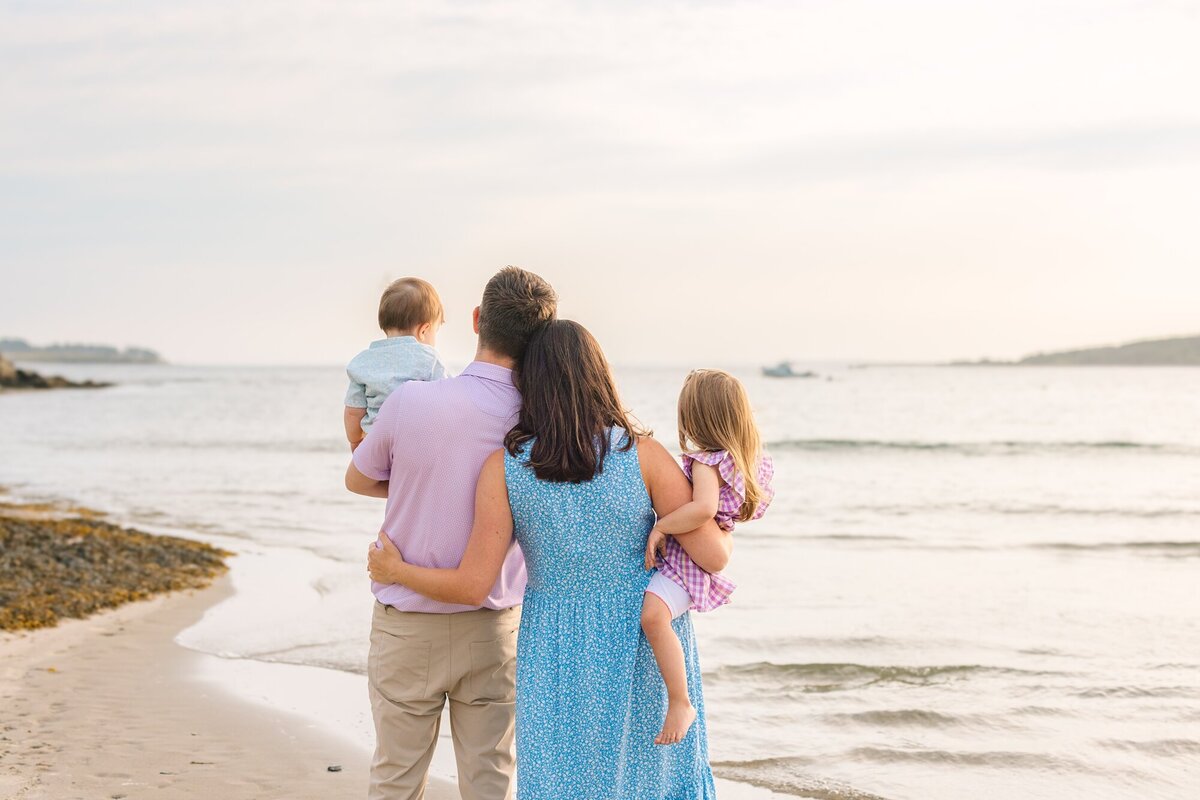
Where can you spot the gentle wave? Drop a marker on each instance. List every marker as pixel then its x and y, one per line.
pixel 1028 509
pixel 780 643
pixel 831 677
pixel 1165 548
pixel 1174 665
pixel 1168 748
pixel 986 448
pixel 785 776
pixel 1041 711
pixel 901 717
pixel 852 537
pixel 281 445
pixel 1137 692
pixel 1096 511
pixel 824 445
pixel 1000 759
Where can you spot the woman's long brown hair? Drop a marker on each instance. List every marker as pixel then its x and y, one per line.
pixel 569 401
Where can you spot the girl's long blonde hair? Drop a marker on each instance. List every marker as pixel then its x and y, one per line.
pixel 715 414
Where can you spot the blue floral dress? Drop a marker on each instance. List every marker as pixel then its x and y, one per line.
pixel 589 697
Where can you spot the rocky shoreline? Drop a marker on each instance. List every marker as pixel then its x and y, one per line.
pixel 13 378
pixel 53 568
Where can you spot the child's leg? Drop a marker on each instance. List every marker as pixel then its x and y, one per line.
pixel 668 653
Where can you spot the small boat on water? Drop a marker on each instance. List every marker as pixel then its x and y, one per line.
pixel 786 369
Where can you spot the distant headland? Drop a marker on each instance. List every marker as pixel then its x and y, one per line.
pixel 13 378
pixel 21 350
pixel 1180 351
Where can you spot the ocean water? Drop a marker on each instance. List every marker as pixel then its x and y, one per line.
pixel 977 582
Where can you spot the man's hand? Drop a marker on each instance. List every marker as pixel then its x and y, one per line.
pixel 656 544
pixel 384 561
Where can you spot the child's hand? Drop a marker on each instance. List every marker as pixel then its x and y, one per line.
pixel 656 544
pixel 353 418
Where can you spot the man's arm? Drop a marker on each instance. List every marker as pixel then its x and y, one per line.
pixel 361 484
pixel 371 462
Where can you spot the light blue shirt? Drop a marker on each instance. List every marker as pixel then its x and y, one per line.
pixel 377 371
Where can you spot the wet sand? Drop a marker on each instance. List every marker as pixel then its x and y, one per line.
pixel 112 707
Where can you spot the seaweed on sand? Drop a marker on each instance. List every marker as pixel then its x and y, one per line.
pixel 56 568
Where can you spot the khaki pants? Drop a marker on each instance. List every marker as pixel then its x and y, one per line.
pixel 416 662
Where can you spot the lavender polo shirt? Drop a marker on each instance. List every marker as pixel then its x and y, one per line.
pixel 430 441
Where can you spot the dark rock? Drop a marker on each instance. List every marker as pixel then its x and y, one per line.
pixel 13 378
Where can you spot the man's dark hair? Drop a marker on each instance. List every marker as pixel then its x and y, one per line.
pixel 516 304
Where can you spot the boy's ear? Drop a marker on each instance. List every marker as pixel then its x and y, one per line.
pixel 475 320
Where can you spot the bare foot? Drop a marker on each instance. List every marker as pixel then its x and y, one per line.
pixel 680 716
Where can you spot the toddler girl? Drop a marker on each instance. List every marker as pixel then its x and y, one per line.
pixel 731 482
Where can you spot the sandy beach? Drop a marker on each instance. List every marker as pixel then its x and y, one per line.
pixel 112 707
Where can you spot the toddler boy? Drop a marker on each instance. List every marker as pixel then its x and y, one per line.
pixel 410 313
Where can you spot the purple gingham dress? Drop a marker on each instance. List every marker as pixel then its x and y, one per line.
pixel 708 590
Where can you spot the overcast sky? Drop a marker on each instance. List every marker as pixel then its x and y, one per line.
pixel 704 182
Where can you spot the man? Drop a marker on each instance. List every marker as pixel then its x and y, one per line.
pixel 424 454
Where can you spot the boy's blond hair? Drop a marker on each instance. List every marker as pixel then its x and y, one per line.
pixel 408 303
pixel 715 414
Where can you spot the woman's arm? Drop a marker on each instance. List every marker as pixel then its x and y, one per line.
pixel 706 496
pixel 470 582
pixel 708 545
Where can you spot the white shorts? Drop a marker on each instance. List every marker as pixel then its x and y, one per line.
pixel 670 592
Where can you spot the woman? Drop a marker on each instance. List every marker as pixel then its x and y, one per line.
pixel 579 486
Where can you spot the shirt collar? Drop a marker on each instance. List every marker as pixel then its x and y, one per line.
pixel 391 340
pixel 489 372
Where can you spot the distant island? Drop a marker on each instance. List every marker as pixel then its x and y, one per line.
pixel 1181 351
pixel 21 350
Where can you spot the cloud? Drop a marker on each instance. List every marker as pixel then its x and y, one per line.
pixel 465 87
pixel 247 141
pixel 1099 148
